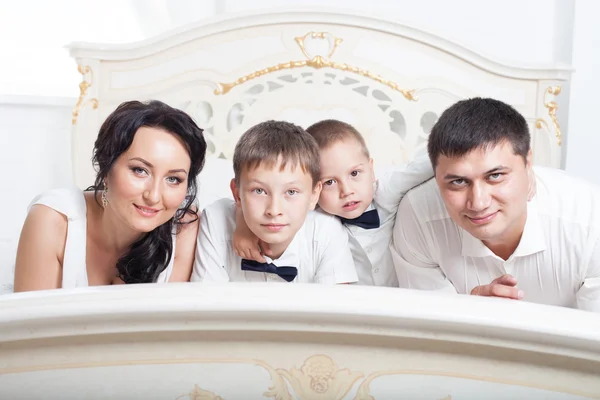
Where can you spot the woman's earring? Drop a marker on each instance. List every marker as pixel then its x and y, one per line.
pixel 104 199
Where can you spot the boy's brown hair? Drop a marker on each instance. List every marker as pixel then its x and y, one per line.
pixel 265 142
pixel 330 131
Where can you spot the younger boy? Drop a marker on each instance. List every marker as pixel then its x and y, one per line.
pixel 275 187
pixel 367 207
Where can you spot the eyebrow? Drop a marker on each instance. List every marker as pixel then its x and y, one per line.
pixel 149 165
pixel 351 169
pixel 497 168
pixel 264 184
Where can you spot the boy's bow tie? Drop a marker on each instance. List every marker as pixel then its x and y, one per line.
pixel 368 220
pixel 287 273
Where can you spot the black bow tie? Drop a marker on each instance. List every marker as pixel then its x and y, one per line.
pixel 368 220
pixel 287 273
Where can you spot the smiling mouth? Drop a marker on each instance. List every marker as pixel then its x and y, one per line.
pixel 484 219
pixel 146 211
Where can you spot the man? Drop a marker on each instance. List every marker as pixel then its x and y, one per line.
pixel 471 229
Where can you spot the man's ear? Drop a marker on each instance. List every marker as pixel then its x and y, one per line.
pixel 314 197
pixel 532 181
pixel 235 192
pixel 530 158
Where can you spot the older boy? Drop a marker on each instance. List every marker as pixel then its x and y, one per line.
pixel 366 206
pixel 276 185
pixel 472 230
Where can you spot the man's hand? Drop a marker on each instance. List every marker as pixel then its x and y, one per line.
pixel 504 286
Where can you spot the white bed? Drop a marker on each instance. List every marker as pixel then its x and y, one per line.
pixel 249 341
pixel 307 341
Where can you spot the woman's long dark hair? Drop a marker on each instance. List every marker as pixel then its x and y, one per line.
pixel 151 254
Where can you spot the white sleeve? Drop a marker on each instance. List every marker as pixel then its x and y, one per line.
pixel 414 262
pixel 211 252
pixel 398 180
pixel 588 295
pixel 335 264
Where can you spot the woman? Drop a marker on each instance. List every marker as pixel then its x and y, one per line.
pixel 137 224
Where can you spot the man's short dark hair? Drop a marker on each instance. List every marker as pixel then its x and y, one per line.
pixel 477 123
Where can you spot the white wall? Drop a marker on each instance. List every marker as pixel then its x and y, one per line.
pixel 35 155
pixel 36 30
pixel 34 134
pixel 583 143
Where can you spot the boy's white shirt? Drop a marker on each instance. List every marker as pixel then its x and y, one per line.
pixel 370 248
pixel 319 250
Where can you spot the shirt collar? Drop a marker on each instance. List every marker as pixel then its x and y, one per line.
pixel 371 207
pixel 532 241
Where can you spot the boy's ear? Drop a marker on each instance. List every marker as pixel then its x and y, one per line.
pixel 372 169
pixel 314 198
pixel 235 192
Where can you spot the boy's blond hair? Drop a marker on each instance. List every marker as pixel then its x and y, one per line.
pixel 269 142
pixel 331 131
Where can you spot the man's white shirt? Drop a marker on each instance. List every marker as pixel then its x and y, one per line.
pixel 319 250
pixel 557 261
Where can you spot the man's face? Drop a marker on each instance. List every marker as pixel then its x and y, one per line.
pixel 485 192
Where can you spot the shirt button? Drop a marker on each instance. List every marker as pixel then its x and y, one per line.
pixel 368 249
pixel 376 270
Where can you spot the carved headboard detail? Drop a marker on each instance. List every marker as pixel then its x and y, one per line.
pixel 389 80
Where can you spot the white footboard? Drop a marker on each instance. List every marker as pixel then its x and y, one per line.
pixel 249 341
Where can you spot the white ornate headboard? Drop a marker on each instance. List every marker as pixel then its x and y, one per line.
pixel 389 80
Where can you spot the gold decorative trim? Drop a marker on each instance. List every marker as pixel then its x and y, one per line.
pixel 316 62
pixel 83 87
pixel 552 107
pixel 200 394
pixel 318 35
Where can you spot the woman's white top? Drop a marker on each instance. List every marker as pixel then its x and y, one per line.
pixel 71 203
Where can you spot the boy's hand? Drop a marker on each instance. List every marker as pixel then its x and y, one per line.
pixel 245 242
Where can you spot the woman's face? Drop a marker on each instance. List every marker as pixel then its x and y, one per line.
pixel 148 182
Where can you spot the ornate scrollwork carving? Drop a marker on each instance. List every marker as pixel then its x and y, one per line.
pixel 83 87
pixel 199 394
pixel 320 378
pixel 552 107
pixel 316 61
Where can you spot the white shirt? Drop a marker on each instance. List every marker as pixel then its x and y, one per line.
pixel 371 247
pixel 319 250
pixel 557 261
